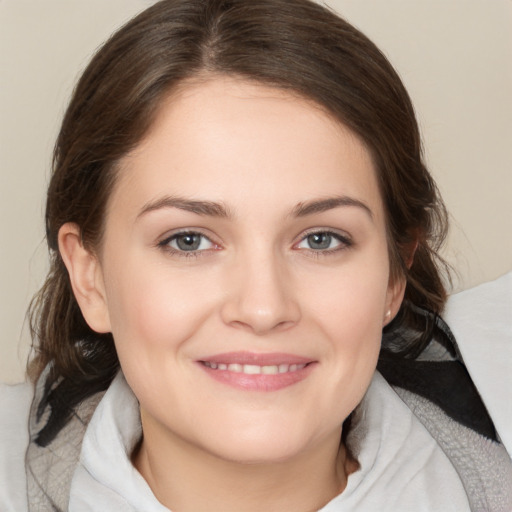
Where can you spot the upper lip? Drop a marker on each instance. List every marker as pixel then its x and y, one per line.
pixel 267 359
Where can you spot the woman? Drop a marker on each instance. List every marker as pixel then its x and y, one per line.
pixel 238 211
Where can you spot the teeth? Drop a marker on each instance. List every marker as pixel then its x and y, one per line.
pixel 253 369
pixel 283 368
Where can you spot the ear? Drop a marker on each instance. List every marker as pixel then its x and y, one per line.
pixel 396 287
pixel 86 278
pixel 394 298
pixel 410 252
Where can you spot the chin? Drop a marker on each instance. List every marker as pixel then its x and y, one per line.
pixel 258 454
pixel 260 446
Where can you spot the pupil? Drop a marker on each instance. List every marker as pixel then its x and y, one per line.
pixel 188 242
pixel 319 241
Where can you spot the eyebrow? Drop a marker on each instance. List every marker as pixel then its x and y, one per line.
pixel 213 209
pixel 322 205
pixel 206 208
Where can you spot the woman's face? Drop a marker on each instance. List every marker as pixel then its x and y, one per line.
pixel 244 272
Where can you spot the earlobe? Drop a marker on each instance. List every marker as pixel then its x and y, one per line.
pixel 86 278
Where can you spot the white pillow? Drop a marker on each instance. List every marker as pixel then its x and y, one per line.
pixel 481 320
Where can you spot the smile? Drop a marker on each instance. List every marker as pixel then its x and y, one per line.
pixel 257 372
pixel 253 369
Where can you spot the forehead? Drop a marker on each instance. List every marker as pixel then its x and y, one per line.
pixel 242 143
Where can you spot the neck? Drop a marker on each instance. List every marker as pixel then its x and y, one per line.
pixel 186 478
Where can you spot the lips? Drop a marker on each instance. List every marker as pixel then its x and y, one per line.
pixel 257 372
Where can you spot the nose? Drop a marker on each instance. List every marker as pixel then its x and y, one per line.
pixel 260 296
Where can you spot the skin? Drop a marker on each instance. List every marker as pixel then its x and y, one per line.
pixel 268 161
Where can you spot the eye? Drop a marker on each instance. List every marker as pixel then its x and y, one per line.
pixel 188 242
pixel 324 241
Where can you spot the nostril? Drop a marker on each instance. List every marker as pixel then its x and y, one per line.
pixel 260 305
pixel 283 326
pixel 261 327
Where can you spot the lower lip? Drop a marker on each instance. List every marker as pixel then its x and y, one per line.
pixel 259 382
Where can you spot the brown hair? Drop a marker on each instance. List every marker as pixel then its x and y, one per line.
pixel 295 45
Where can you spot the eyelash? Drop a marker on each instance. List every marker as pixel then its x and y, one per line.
pixel 165 245
pixel 344 241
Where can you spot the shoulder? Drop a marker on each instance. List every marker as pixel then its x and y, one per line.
pixel 15 404
pixel 481 320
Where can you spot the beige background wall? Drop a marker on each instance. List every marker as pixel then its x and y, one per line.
pixel 454 56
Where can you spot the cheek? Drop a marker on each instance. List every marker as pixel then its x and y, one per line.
pixel 349 310
pixel 155 310
pixel 352 298
pixel 153 320
pixel 361 308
